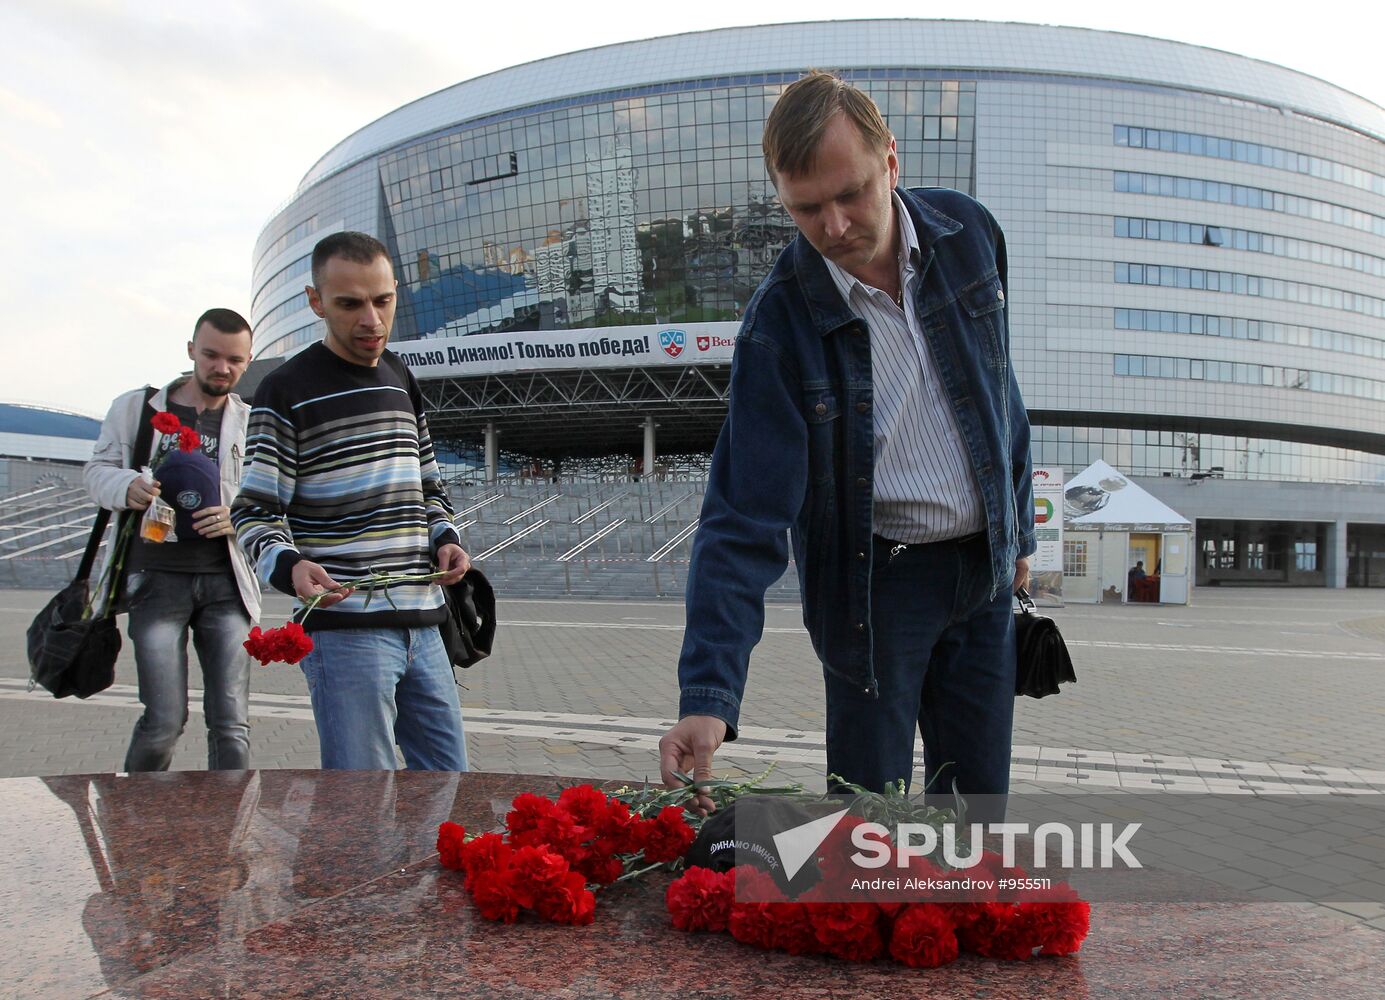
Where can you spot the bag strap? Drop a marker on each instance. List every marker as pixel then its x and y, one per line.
pixel 1026 602
pixel 143 436
pixel 98 529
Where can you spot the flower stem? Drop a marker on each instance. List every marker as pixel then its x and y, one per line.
pixel 370 584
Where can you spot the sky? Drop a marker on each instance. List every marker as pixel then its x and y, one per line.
pixel 145 143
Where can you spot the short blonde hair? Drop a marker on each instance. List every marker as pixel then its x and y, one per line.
pixel 798 119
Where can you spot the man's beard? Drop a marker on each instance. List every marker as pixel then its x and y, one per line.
pixel 214 388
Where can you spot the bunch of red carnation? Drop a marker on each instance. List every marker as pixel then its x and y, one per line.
pixel 285 644
pixel 552 855
pixel 166 423
pixel 748 903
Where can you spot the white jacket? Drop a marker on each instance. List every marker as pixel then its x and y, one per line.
pixel 108 475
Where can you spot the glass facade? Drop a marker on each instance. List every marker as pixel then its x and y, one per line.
pixel 643 209
pixel 1168 452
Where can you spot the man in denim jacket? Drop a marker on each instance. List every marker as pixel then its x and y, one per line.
pixel 874 420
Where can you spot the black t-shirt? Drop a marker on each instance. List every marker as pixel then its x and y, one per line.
pixel 193 554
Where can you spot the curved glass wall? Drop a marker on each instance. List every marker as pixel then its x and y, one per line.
pixel 1153 452
pixel 644 207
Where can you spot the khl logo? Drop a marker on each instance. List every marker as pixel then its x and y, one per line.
pixel 673 342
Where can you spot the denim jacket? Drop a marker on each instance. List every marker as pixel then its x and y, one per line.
pixel 795 459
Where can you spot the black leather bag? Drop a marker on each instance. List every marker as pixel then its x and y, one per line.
pixel 1041 657
pixel 469 631
pixel 69 655
pixel 72 656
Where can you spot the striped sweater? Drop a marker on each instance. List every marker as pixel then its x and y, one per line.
pixel 339 469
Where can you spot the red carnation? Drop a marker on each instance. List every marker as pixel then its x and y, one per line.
pixel 495 895
pixel 848 930
pixel 1060 926
pixel 488 852
pixel 584 803
pixel 165 422
pixel 567 903
pixel 923 937
pixel 753 922
pixel 792 929
pixel 559 832
pixel 525 812
pixel 451 840
pixel 700 900
pixel 667 837
pixel 188 439
pixel 618 829
pixel 601 869
pixel 285 644
pixel 540 871
pixel 999 932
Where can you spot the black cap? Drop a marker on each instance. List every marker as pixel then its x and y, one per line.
pixel 188 482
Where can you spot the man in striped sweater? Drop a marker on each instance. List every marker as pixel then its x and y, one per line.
pixel 341 484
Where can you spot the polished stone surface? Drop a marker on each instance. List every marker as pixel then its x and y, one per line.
pixel 324 884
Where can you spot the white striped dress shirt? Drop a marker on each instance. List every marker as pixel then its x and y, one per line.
pixel 924 487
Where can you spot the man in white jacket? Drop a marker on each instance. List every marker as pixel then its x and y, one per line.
pixel 202 580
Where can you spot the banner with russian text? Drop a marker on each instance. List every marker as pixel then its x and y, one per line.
pixel 601 347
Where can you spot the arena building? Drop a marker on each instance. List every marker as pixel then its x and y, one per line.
pixel 1196 256
pixel 45 513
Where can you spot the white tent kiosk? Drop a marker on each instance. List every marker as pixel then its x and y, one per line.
pixel 1111 526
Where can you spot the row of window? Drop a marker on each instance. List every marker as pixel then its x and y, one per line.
pixel 1221 148
pixel 291 237
pixel 1168 231
pixel 295 272
pixel 1232 283
pixel 1220 553
pixel 1201 369
pixel 715 118
pixel 623 234
pixel 1237 328
pixel 657 161
pixel 299 301
pixel 291 340
pixel 1197 189
pixel 1159 452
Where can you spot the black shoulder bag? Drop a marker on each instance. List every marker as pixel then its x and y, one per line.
pixel 1041 657
pixel 70 654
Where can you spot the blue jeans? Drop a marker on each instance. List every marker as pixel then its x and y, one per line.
pixel 374 687
pixel 944 659
pixel 163 606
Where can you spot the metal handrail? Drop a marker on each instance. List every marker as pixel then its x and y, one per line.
pixel 582 546
pixel 477 506
pixel 44 545
pixel 672 543
pixel 510 541
pixel 599 508
pixel 525 513
pixel 664 510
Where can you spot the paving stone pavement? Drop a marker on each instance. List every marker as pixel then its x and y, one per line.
pixel 1279 690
